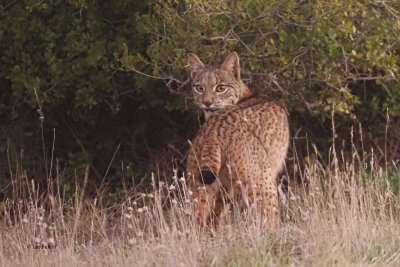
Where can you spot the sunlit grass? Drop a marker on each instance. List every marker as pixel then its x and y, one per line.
pixel 343 215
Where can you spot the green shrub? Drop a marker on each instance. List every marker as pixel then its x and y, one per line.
pixel 113 73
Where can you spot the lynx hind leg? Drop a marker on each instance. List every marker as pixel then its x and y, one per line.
pixel 263 195
pixel 204 198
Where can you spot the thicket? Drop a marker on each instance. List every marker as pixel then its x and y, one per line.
pixel 104 82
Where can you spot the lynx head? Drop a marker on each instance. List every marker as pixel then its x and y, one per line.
pixel 216 88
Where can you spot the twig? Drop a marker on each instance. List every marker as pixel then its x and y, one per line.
pixel 8 5
pixel 393 11
pixel 109 165
pixel 148 75
pixel 41 118
pixel 166 78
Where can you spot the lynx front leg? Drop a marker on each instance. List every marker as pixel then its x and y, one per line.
pixel 271 209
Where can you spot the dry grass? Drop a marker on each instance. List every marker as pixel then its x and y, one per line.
pixel 343 216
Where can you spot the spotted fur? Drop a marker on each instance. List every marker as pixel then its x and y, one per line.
pixel 237 154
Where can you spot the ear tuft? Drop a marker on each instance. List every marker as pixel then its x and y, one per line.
pixel 195 64
pixel 232 65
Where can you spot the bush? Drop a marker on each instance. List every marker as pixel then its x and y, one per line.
pixel 319 59
pixel 110 77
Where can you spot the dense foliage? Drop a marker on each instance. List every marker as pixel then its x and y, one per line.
pixel 108 77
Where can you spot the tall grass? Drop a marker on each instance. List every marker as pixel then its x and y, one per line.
pixel 340 215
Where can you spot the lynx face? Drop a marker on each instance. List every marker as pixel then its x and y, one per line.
pixel 217 88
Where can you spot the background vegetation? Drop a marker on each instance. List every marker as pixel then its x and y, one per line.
pixel 95 114
pixel 104 83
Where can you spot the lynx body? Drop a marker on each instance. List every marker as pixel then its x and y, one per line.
pixel 237 155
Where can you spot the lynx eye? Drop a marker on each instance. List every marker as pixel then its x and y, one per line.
pixel 198 88
pixel 220 88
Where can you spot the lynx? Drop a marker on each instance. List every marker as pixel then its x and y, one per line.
pixel 217 88
pixel 238 152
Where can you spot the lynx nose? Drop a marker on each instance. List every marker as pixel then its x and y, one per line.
pixel 207 103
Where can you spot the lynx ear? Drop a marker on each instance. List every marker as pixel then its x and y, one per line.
pixel 195 64
pixel 232 65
